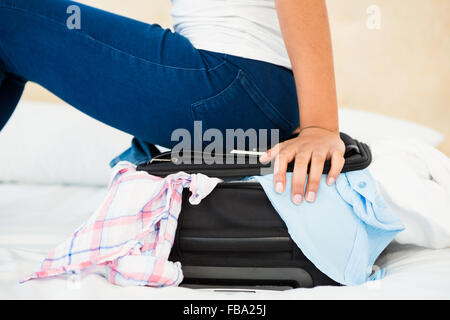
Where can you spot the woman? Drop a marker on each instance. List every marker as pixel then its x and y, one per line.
pixel 230 64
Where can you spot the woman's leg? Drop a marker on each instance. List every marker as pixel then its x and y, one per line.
pixel 139 78
pixel 136 77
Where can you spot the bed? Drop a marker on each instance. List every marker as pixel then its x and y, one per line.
pixel 53 176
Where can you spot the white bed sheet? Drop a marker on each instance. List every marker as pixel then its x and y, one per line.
pixel 35 218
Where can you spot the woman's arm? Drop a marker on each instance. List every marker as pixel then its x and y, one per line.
pixel 305 28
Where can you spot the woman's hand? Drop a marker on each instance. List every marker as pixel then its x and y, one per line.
pixel 313 145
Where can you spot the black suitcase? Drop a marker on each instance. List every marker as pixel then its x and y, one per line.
pixel 234 238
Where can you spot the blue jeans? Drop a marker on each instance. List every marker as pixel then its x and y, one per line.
pixel 137 77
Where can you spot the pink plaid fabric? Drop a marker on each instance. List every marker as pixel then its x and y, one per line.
pixel 129 237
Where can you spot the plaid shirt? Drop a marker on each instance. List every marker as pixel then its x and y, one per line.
pixel 129 237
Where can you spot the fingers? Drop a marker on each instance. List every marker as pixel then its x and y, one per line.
pixel 337 163
pixel 271 153
pixel 315 174
pixel 280 167
pixel 282 155
pixel 299 176
pixel 304 155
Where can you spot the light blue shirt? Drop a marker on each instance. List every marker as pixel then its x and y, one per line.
pixel 344 230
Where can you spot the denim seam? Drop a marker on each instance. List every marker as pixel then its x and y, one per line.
pixel 203 101
pixel 256 94
pixel 82 33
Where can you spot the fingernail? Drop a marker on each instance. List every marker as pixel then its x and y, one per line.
pixel 330 181
pixel 279 187
pixel 297 199
pixel 311 196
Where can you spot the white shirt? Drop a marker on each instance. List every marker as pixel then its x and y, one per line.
pixel 244 28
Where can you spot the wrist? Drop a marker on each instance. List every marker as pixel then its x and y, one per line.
pixel 319 127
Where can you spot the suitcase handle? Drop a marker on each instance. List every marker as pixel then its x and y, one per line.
pixel 357 157
pixel 351 148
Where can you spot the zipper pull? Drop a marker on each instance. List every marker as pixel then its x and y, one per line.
pixel 250 153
